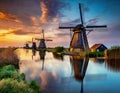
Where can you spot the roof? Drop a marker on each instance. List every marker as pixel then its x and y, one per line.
pixel 96 46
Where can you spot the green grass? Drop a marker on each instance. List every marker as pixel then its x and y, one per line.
pixel 8 72
pixel 13 86
pixel 11 81
pixel 96 54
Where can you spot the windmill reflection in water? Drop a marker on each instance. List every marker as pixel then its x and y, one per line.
pixel 80 66
pixel 42 54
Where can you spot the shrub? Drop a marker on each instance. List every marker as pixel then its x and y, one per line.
pixel 59 49
pixel 34 86
pixel 8 72
pixel 13 86
pixel 13 82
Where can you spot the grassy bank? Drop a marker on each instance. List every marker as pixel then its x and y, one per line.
pixel 96 54
pixel 58 50
pixel 11 81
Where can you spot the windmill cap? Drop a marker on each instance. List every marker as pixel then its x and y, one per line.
pixel 78 27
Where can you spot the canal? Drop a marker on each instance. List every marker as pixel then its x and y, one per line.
pixel 69 74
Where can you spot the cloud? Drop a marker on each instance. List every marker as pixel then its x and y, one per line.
pixel 115 28
pixel 51 9
pixel 16 31
pixel 93 21
pixel 22 9
pixel 86 9
pixel 4 32
pixel 75 22
pixel 62 34
pixel 8 17
pixel 44 10
pixel 34 13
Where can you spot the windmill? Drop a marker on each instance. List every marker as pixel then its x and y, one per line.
pixel 26 45
pixel 33 44
pixel 42 44
pixel 79 41
pixel 30 42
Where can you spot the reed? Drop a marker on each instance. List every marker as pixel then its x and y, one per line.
pixel 113 52
pixel 7 56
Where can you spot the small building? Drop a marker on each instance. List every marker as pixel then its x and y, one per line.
pixel 98 48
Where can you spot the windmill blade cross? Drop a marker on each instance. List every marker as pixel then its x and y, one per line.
pixel 81 15
pixel 100 26
pixel 37 39
pixel 66 27
pixel 48 40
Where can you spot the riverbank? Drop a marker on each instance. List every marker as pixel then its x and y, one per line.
pixel 11 81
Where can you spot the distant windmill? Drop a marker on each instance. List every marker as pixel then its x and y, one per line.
pixel 42 44
pixel 26 45
pixel 79 40
pixel 33 44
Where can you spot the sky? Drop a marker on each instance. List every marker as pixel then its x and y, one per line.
pixel 22 20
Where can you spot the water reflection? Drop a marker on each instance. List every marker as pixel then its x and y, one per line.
pixel 42 57
pixel 69 75
pixel 59 57
pixel 42 54
pixel 113 64
pixel 80 67
pixel 33 52
pixel 96 60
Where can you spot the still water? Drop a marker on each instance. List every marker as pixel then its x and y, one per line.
pixel 69 74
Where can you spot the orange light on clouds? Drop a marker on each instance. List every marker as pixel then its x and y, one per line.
pixel 8 17
pixel 8 38
pixel 44 10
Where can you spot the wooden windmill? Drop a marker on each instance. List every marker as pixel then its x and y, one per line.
pixel 42 44
pixel 26 45
pixel 31 42
pixel 79 41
